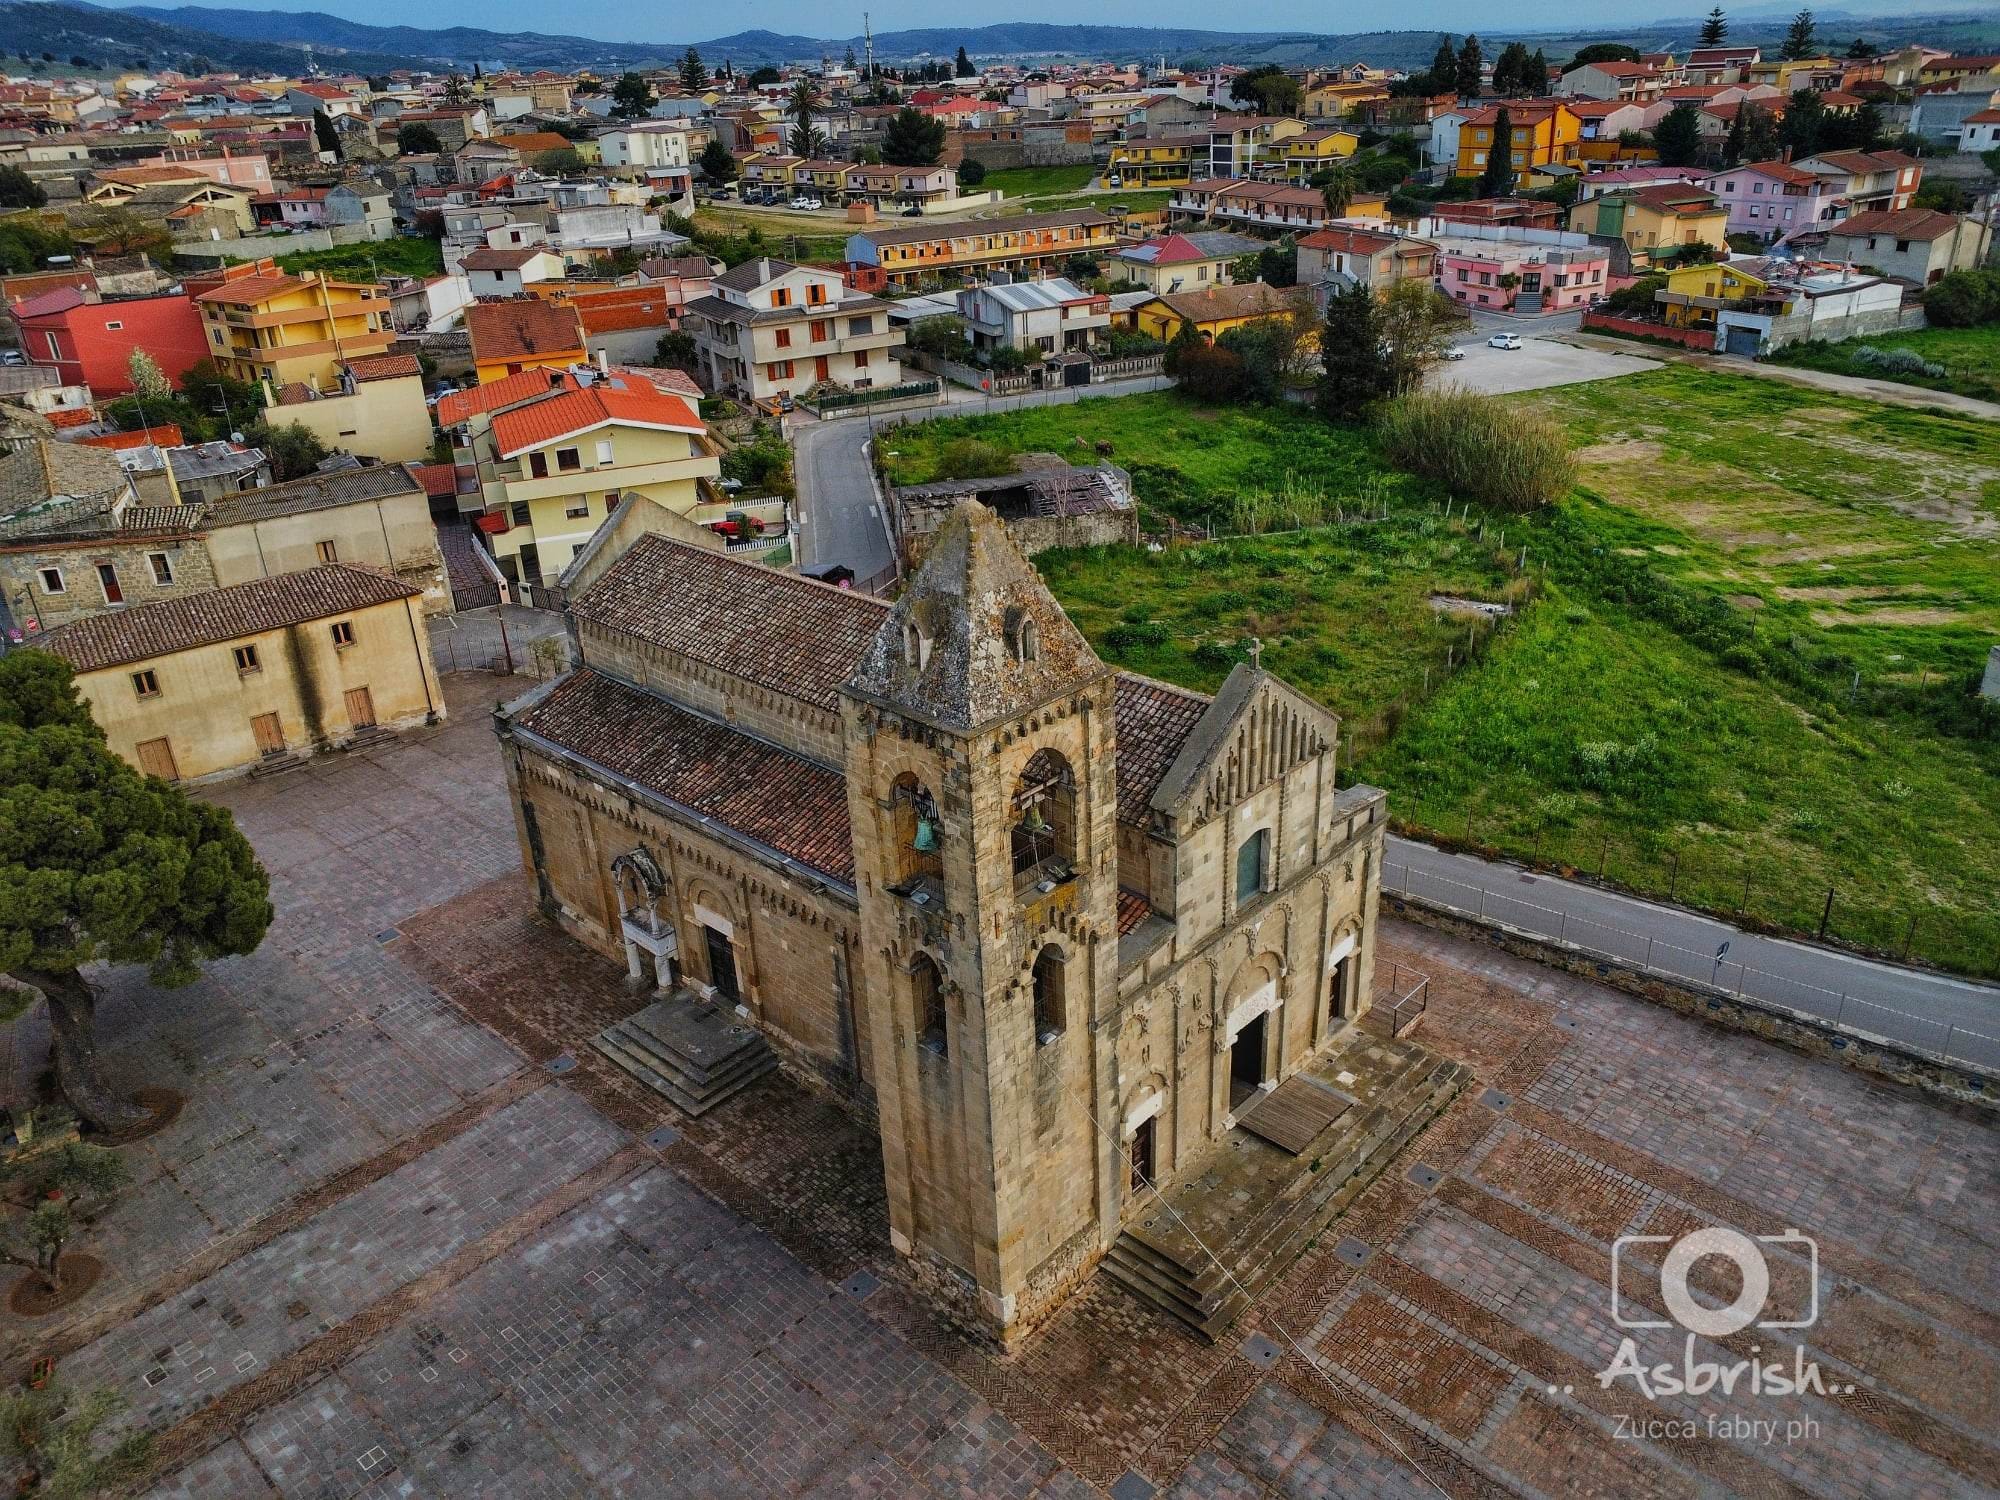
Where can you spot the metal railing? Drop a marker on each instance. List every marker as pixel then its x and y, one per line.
pixel 1939 1041
pixel 1406 1005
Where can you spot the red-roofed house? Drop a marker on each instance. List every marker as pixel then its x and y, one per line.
pixel 1612 80
pixel 1775 200
pixel 1981 131
pixel 1917 245
pixel 553 462
pixel 375 410
pixel 89 341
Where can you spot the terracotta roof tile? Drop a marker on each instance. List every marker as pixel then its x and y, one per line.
pixel 1153 721
pixel 1133 909
pixel 524 385
pixel 766 794
pixel 522 330
pixel 384 367
pixel 790 634
pixel 614 399
pixel 222 614
pixel 1902 223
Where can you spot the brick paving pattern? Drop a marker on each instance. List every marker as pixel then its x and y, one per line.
pixel 681 1330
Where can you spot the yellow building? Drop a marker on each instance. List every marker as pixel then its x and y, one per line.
pixel 276 327
pixel 1694 294
pixel 1157 161
pixel 1541 132
pixel 553 457
pixel 236 677
pixel 525 334
pixel 1656 220
pixel 1299 156
pixel 1219 309
pixel 1034 244
pixel 374 410
pixel 1336 99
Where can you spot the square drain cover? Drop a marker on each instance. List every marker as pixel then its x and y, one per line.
pixel 387 935
pixel 662 1138
pixel 1425 1177
pixel 1494 1099
pixel 1568 1023
pixel 1132 1485
pixel 861 1285
pixel 1354 1252
pixel 562 1062
pixel 1260 1351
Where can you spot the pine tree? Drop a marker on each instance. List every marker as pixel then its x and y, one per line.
pixel 1760 132
pixel 1537 81
pixel 694 75
pixel 963 66
pixel 1678 136
pixel 1355 372
pixel 1444 62
pixel 1715 28
pixel 1467 66
pixel 1732 143
pixel 1799 37
pixel 1497 181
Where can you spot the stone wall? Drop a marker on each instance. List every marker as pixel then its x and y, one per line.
pixel 82 595
pixel 1718 1007
pixel 1800 328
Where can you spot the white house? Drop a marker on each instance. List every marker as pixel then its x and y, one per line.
pixel 509 273
pixel 1055 316
pixel 640 145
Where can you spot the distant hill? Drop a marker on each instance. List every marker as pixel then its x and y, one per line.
pixel 273 40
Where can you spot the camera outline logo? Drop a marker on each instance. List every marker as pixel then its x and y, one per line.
pixel 1742 1250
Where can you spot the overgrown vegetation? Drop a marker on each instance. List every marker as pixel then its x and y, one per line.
pixel 370 260
pixel 1962 360
pixel 1478 447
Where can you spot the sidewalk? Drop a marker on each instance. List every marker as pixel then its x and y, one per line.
pixel 1889 392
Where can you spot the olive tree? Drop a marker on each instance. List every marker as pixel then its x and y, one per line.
pixel 100 864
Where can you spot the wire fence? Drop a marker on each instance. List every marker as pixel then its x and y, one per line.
pixel 1732 886
pixel 1941 1041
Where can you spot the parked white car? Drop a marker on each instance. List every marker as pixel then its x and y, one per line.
pixel 1504 341
pixel 1454 352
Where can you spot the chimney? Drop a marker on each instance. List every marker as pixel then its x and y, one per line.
pixel 603 361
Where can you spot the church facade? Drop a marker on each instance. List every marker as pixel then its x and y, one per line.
pixel 1049 924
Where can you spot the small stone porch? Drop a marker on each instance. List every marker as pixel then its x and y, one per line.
pixel 694 1051
pixel 1297 1157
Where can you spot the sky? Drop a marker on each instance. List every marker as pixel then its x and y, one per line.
pixel 618 20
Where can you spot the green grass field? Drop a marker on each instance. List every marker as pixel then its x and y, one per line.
pixel 1036 182
pixel 1971 357
pixel 1678 703
pixel 403 256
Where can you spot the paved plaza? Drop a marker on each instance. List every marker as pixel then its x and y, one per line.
pixel 387 1250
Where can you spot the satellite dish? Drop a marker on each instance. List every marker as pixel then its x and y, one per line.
pixel 236 438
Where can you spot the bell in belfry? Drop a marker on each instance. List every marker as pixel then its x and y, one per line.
pixel 926 839
pixel 1034 822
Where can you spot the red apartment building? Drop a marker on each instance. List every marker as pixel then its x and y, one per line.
pixel 88 340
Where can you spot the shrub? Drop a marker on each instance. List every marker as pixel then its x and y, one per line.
pixel 1479 448
pixel 971 458
pixel 1897 362
pixel 1964 299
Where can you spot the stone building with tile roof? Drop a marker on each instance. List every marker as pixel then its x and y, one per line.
pixel 258 674
pixel 1057 928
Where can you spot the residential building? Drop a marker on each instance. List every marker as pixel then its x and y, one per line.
pixel 264 324
pixel 1508 213
pixel 198 687
pixel 66 561
pixel 527 334
pixel 639 148
pixel 1720 64
pixel 1869 180
pixel 1214 312
pixel 1183 262
pixel 1775 200
pixel 1297 157
pixel 1242 145
pixel 1147 161
pixel 1341 256
pixel 552 453
pixel 1031 245
pixel 1274 206
pixel 910 187
pixel 509 273
pixel 1655 221
pixel 1052 316
pixel 914 938
pixel 769 327
pixel 1802 302
pixel 1914 245
pixel 1980 131
pixel 1539 132
pixel 1629 81
pixel 375 409
pixel 88 339
pixel 1522 274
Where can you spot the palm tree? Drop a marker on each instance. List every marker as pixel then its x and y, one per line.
pixel 1336 189
pixel 802 103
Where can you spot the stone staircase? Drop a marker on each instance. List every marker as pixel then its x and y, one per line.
pixel 695 1052
pixel 471 586
pixel 1255 1205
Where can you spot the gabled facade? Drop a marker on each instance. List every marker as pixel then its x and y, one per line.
pixel 264 324
pixel 770 327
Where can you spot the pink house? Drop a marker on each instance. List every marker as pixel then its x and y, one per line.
pixel 1525 278
pixel 1775 200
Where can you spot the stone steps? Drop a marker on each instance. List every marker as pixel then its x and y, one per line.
pixel 1163 1266
pixel 694 1053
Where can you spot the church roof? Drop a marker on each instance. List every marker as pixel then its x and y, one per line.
pixel 768 795
pixel 968 604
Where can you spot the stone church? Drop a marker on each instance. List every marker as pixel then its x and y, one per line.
pixel 1055 927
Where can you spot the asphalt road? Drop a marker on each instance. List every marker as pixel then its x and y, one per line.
pixel 839 508
pixel 1957 1018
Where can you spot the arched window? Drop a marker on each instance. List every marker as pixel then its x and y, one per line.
pixel 1252 859
pixel 918 838
pixel 1049 999
pixel 927 987
pixel 1024 636
pixel 1045 820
